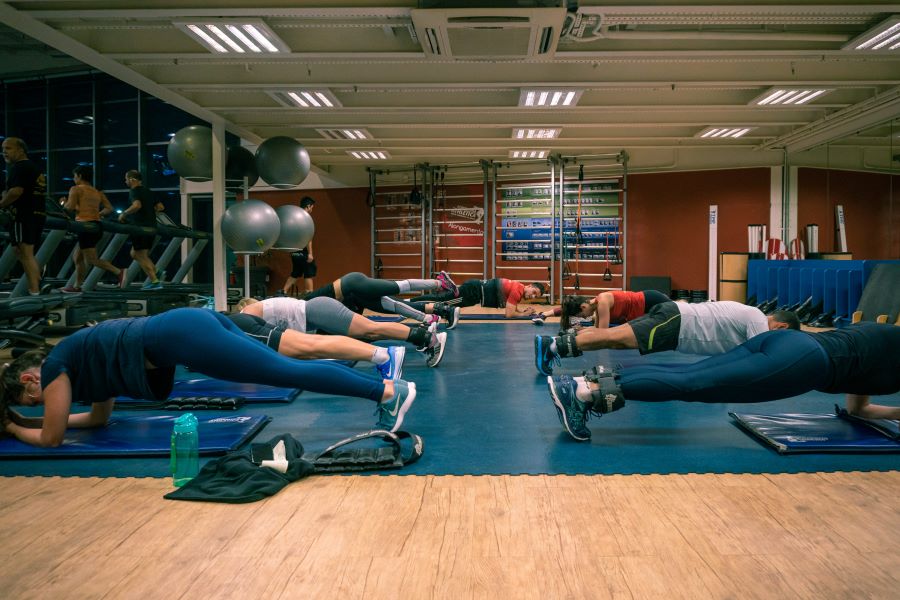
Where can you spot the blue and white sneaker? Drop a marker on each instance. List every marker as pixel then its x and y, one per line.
pixel 393 368
pixel 391 412
pixel 573 413
pixel 544 357
pixel 152 286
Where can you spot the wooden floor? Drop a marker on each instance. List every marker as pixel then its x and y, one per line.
pixel 822 536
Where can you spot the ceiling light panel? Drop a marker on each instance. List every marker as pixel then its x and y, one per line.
pixel 789 96
pixel 549 97
pixel 369 154
pixel 234 36
pixel 345 133
pixel 719 133
pixel 307 98
pixel 884 36
pixel 536 133
pixel 528 153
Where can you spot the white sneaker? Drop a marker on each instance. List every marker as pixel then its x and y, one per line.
pixel 435 352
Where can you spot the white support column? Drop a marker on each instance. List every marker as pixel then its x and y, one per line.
pixel 776 203
pixel 713 285
pixel 218 204
pixel 792 206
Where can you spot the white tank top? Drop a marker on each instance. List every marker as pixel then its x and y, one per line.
pixel 287 313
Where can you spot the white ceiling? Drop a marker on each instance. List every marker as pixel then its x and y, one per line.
pixel 653 75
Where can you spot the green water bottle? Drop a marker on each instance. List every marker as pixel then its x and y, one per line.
pixel 185 453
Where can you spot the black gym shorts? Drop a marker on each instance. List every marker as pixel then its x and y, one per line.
pixel 141 242
pixel 657 331
pixel 27 231
pixel 89 239
pixel 301 268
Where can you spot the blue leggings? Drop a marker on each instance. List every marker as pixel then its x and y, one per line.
pixel 209 343
pixel 769 366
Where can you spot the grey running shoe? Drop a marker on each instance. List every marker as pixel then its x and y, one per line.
pixel 435 351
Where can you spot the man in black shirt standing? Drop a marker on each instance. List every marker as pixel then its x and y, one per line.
pixel 144 210
pixel 25 196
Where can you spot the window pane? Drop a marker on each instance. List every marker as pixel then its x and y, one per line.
pixel 27 95
pixel 162 120
pixel 61 164
pixel 112 164
pixel 119 199
pixel 73 127
pixel 72 91
pixel 30 125
pixel 118 122
pixel 160 172
pixel 113 89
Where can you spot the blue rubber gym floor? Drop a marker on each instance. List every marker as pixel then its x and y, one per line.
pixel 486 411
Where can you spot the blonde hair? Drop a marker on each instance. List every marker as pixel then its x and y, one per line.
pixel 245 302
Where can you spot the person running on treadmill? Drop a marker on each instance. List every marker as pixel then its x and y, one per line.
pixel 90 205
pixel 702 328
pixel 859 360
pixel 489 293
pixel 612 307
pixel 137 358
pixel 329 315
pixel 144 209
pixel 24 198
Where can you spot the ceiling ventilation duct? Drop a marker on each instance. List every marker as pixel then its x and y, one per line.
pixel 486 33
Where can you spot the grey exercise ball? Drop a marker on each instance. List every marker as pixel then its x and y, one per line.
pixel 282 162
pixel 190 153
pixel 240 163
pixel 250 226
pixel 297 227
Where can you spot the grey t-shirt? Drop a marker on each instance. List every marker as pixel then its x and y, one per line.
pixel 717 327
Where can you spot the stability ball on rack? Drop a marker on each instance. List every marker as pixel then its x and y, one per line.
pixel 190 153
pixel 250 226
pixel 241 163
pixel 297 227
pixel 282 162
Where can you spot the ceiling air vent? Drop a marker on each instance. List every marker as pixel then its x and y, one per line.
pixel 484 33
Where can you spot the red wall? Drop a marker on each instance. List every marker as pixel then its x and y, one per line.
pixel 668 220
pixel 342 240
pixel 871 217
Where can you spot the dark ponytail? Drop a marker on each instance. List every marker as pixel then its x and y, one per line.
pixel 571 305
pixel 11 387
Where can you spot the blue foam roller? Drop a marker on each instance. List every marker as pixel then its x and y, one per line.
pixel 144 435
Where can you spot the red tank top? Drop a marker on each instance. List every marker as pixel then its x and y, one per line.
pixel 626 306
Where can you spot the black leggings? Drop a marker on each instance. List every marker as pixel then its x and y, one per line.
pixel 210 343
pixel 769 366
pixel 470 292
pixel 652 298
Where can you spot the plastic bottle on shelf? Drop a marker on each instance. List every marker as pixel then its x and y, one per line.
pixel 185 453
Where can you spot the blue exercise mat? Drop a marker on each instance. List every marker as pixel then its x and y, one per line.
pixel 251 392
pixel 798 433
pixel 491 317
pixel 142 436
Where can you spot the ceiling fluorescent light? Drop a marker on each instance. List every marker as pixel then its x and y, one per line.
pixel 319 98
pixel 884 36
pixel 548 98
pixel 369 154
pixel 532 133
pixel 234 36
pixel 788 96
pixel 723 132
pixel 345 133
pixel 528 153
